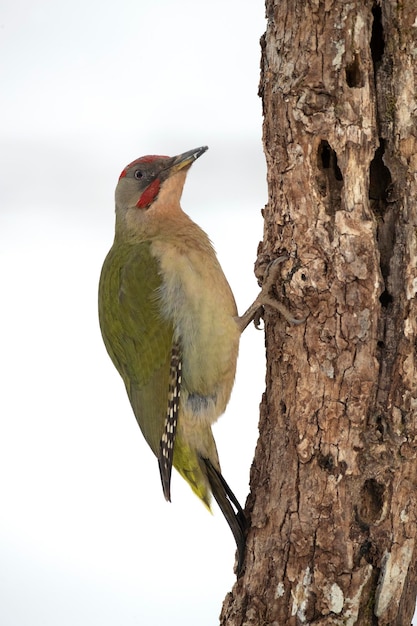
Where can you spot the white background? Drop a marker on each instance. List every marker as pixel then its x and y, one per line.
pixel 86 536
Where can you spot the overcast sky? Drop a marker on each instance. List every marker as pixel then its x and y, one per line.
pixel 86 536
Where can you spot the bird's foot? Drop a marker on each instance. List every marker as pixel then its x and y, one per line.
pixel 256 310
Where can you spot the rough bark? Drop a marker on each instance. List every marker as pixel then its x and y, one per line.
pixel 333 500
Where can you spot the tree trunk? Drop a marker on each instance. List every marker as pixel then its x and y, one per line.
pixel 333 500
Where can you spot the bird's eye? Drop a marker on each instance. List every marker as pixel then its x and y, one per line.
pixel 138 174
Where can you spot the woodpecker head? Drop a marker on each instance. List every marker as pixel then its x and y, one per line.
pixel 149 189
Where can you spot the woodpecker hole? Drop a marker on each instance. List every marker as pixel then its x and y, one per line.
pixel 371 553
pixel 377 37
pixel 354 75
pixel 365 548
pixel 379 180
pixel 372 499
pixel 329 181
pixel 343 466
pixel 328 161
pixel 385 299
pixel 380 184
pixel 380 425
pixel 326 462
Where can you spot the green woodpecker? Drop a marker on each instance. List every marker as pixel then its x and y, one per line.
pixel 170 325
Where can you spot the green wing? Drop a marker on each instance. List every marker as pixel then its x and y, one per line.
pixel 137 339
pixel 140 344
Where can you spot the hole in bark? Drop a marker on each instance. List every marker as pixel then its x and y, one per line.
pixel 385 298
pixel 372 501
pixel 380 344
pixel 283 407
pixel 329 181
pixel 354 77
pixel 380 183
pixel 370 553
pixel 381 425
pixel 328 160
pixel 377 37
pixel 326 461
pixel 379 180
pixel 343 467
pixel 365 548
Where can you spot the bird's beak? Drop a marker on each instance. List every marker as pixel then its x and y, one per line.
pixel 186 159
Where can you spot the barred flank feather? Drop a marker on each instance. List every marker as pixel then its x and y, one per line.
pixel 166 447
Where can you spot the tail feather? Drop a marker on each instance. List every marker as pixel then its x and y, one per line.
pixel 225 497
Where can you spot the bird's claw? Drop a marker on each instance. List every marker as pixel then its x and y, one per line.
pixel 256 310
pixel 258 315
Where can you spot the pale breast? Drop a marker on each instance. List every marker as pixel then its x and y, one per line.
pixel 196 296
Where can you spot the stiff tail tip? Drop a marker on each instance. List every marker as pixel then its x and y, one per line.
pixel 236 519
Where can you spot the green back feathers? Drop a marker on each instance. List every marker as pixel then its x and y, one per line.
pixel 137 339
pixel 139 342
pixel 132 279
